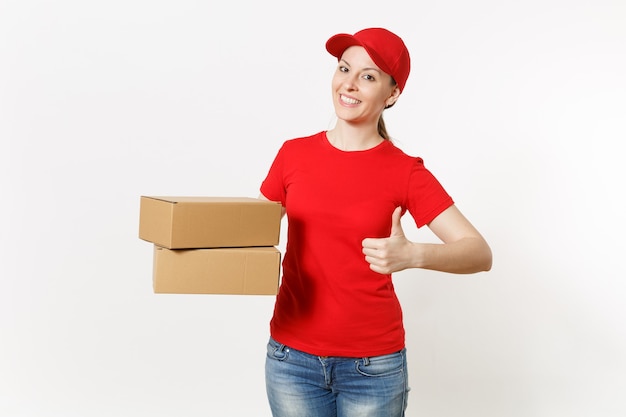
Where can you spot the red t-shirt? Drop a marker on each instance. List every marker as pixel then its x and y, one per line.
pixel 330 302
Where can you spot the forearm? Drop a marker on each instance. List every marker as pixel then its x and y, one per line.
pixel 465 256
pixel 463 251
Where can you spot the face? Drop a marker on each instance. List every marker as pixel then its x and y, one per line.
pixel 361 90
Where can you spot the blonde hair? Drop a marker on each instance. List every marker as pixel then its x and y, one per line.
pixel 382 129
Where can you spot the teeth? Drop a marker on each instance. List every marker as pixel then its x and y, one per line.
pixel 349 100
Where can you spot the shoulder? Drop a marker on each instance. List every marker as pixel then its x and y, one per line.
pixel 402 157
pixel 305 140
pixel 302 144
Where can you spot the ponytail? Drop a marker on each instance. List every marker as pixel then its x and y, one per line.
pixel 382 129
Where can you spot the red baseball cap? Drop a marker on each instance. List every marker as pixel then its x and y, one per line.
pixel 386 49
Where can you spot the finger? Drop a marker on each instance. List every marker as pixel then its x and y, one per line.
pixel 371 243
pixel 396 224
pixel 370 252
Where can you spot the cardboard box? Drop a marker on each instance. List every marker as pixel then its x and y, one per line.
pixel 217 271
pixel 209 222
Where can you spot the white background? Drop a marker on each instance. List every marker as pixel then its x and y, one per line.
pixel 518 107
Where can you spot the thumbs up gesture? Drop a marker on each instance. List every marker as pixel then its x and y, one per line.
pixel 390 254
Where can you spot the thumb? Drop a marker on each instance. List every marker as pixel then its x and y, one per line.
pixel 396 225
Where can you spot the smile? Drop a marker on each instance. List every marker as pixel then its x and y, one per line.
pixel 348 100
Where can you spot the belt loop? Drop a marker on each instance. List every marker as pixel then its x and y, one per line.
pixel 366 361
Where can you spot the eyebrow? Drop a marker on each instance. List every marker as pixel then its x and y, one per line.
pixel 364 69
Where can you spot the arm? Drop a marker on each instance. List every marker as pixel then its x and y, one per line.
pixel 463 251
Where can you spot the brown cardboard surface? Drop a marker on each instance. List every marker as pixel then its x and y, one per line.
pixel 253 270
pixel 209 222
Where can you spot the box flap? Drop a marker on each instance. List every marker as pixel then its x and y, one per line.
pixel 212 200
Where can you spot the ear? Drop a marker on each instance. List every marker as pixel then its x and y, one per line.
pixel 391 100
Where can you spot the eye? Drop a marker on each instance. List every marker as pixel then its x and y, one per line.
pixel 343 68
pixel 369 77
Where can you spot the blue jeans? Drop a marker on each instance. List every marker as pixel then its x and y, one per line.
pixel 303 385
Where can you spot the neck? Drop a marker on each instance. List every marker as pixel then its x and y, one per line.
pixel 348 138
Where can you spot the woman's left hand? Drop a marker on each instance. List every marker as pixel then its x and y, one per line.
pixel 390 254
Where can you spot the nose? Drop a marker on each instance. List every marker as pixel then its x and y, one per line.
pixel 350 82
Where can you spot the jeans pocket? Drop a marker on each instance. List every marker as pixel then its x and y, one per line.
pixel 380 366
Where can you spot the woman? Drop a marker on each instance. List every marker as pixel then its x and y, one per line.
pixel 337 344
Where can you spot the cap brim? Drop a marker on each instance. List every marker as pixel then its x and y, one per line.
pixel 337 44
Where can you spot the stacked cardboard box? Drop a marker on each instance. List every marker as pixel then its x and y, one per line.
pixel 212 245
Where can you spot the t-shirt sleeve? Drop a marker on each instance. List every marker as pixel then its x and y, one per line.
pixel 273 186
pixel 426 197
